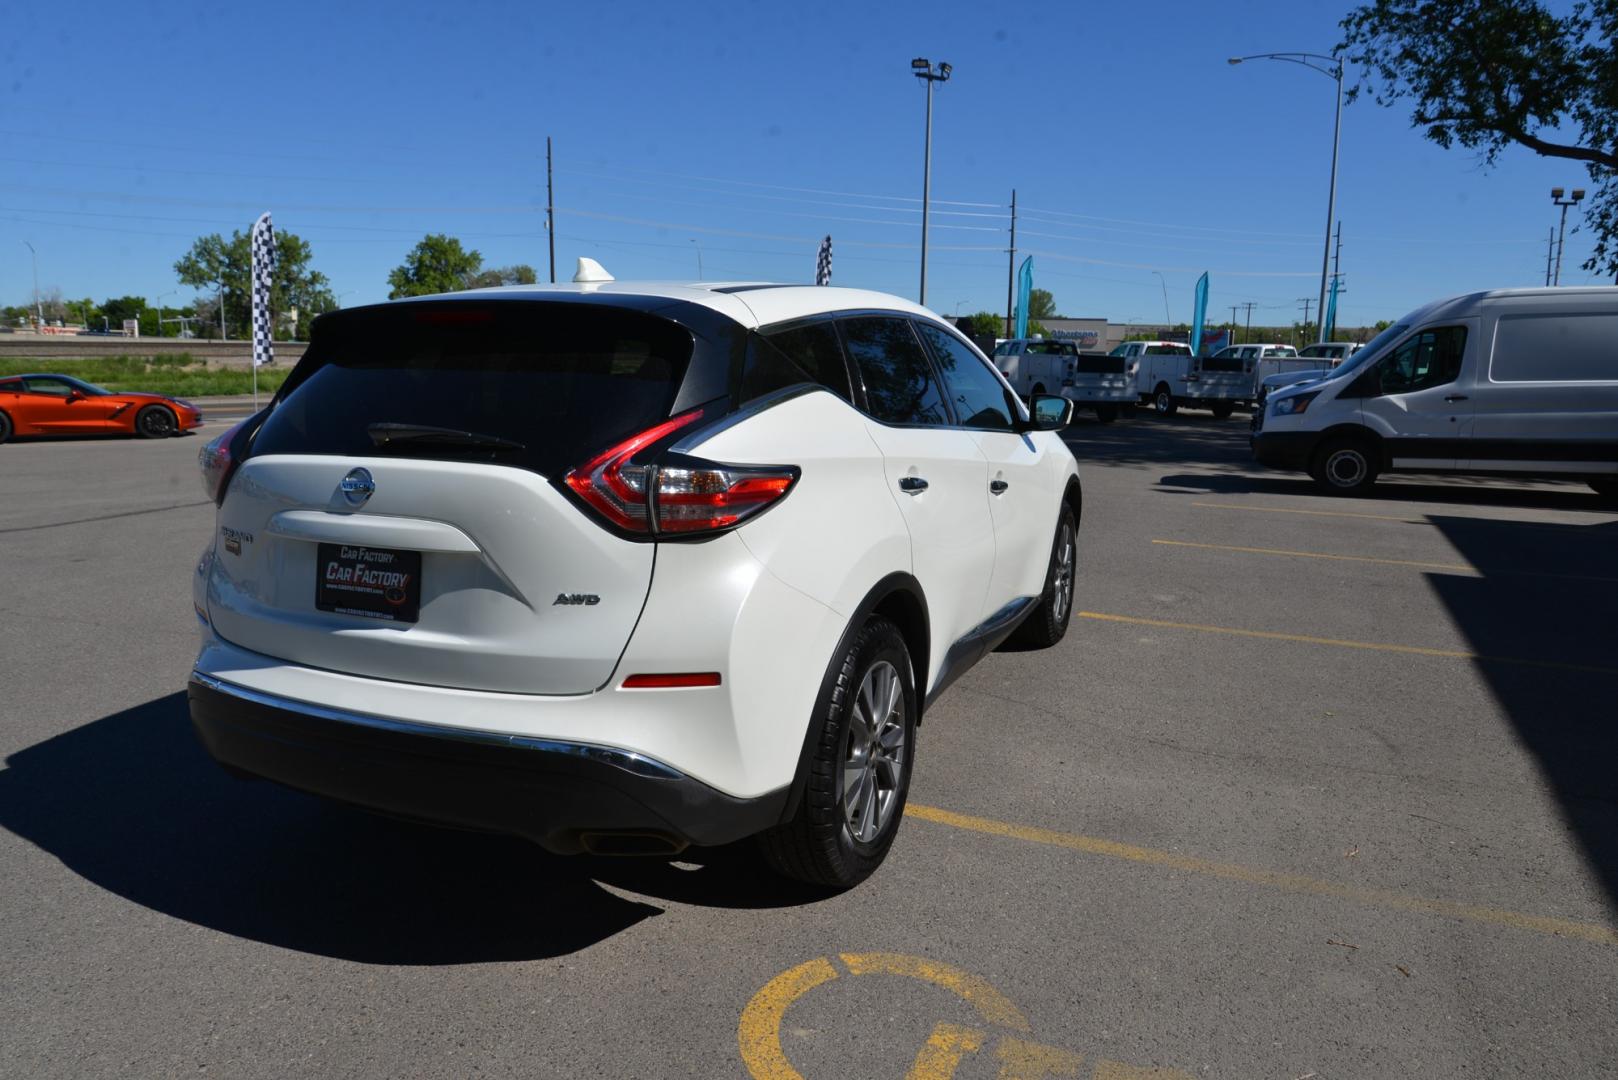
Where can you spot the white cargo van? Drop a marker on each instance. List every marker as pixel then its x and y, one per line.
pixel 1167 376
pixel 1517 382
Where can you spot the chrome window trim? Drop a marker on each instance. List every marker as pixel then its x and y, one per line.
pixel 627 760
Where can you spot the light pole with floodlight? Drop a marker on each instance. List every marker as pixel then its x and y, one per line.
pixel 1331 67
pixel 922 68
pixel 1561 230
pixel 160 296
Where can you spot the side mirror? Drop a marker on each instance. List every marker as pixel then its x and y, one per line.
pixel 75 395
pixel 1049 412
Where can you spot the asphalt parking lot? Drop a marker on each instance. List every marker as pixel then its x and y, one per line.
pixel 1313 788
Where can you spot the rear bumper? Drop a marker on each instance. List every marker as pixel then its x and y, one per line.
pixel 566 796
pixel 1285 449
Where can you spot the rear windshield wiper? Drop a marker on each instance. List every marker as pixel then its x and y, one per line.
pixel 386 434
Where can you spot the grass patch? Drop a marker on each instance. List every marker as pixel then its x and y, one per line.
pixel 179 375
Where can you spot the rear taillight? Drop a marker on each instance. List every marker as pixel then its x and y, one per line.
pixel 682 495
pixel 218 463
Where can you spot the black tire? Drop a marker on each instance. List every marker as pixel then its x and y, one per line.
pixel 1047 624
pixel 1223 410
pixel 819 845
pixel 156 422
pixel 5 427
pixel 1163 400
pixel 1345 465
pixel 1606 489
pixel 1106 414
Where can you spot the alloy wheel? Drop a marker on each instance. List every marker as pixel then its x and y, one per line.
pixel 1062 578
pixel 873 753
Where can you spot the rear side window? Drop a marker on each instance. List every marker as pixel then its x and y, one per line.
pixel 978 396
pixel 900 387
pixel 1428 359
pixel 809 353
pixel 1556 348
pixel 561 381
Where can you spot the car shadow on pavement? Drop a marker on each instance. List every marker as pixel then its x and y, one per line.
pixel 1147 439
pixel 134 804
pixel 1548 594
pixel 1456 490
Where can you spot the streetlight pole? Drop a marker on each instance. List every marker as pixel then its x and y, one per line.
pixel 1562 229
pixel 1168 320
pixel 160 296
pixel 39 312
pixel 922 68
pixel 1331 67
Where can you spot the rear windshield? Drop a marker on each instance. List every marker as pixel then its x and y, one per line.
pixel 543 386
pixel 1168 350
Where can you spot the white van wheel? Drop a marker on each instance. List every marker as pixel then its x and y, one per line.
pixel 1344 466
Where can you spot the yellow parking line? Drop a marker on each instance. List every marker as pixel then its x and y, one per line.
pixel 1462 568
pixel 1275 879
pixel 1311 513
pixel 1316 555
pixel 1373 646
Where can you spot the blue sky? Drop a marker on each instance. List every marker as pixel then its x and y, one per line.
pixel 748 131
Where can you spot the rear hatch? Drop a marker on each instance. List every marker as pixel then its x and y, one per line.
pixel 400 514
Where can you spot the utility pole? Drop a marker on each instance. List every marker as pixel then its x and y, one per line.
pixel 1011 263
pixel 1306 301
pixel 1232 339
pixel 39 310
pixel 550 208
pixel 1247 335
pixel 222 313
pixel 1550 251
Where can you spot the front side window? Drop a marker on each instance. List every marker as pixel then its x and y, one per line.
pixel 900 387
pixel 978 396
pixel 54 387
pixel 1428 359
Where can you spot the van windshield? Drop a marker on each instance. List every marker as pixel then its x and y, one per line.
pixel 1369 351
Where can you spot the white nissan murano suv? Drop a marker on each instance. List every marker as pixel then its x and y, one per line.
pixel 623 568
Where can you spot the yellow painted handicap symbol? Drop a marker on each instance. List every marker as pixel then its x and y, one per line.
pixel 1019 1058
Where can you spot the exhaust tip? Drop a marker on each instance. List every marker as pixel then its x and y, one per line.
pixel 630 844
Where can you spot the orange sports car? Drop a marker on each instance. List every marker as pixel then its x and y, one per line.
pixel 63 405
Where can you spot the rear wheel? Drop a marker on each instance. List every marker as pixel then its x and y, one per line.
pixel 858 771
pixel 1163 401
pixel 1047 624
pixel 1223 410
pixel 5 427
pixel 1345 466
pixel 155 422
pixel 1106 413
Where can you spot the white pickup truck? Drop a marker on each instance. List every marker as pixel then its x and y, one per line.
pixel 1166 376
pixel 1089 380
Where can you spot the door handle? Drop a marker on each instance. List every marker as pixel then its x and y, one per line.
pixel 912 485
pixel 1455 397
pixel 998 487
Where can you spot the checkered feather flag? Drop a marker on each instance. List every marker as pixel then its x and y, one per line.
pixel 263 271
pixel 823 263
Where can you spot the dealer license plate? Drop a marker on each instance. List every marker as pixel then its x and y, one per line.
pixel 376 583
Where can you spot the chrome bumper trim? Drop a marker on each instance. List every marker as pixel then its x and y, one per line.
pixel 627 760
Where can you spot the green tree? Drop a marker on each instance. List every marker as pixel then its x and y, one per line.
pixel 1488 74
pixel 520 274
pixel 214 262
pixel 983 324
pixel 117 309
pixel 1041 305
pixel 438 264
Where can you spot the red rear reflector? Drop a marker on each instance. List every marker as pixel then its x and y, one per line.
pixel 664 682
